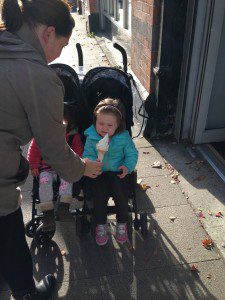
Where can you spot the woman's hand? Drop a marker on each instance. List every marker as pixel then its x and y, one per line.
pixel 35 172
pixel 124 171
pixel 92 168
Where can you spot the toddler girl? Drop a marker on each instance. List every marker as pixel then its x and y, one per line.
pixel 46 175
pixel 118 161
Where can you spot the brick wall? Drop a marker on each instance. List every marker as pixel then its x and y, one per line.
pixel 93 6
pixel 144 42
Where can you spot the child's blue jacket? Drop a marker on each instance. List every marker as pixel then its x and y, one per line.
pixel 121 152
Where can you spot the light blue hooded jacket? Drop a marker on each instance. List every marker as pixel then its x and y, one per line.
pixel 121 152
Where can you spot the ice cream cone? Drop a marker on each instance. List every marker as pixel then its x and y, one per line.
pixel 102 147
pixel 101 154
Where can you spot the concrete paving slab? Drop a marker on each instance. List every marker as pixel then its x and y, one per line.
pixel 27 185
pixel 204 189
pixel 81 289
pixel 139 140
pixel 168 283
pixel 146 158
pixel 182 237
pixel 82 259
pixel 161 193
pixel 217 233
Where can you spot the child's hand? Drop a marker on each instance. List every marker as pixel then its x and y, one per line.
pixel 92 168
pixel 124 171
pixel 35 172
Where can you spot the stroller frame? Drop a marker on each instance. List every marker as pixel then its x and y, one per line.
pixel 84 216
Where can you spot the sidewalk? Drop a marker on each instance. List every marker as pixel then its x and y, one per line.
pixel 159 266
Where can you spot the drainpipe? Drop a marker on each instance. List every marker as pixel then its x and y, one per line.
pixel 101 14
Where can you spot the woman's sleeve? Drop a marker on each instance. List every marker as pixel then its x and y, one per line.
pixel 43 103
pixel 131 155
pixel 34 155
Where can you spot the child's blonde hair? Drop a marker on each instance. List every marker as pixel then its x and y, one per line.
pixel 114 107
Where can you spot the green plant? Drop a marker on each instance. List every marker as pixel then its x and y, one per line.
pixel 91 35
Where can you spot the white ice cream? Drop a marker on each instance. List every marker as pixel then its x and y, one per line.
pixel 102 147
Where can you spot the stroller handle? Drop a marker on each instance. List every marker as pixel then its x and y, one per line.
pixel 80 55
pixel 124 54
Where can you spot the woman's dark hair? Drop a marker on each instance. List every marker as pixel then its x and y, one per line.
pixel 113 107
pixel 54 13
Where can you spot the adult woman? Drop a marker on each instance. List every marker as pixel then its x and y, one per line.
pixel 31 106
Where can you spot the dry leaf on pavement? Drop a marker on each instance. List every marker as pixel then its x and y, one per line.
pixel 157 164
pixel 219 214
pixel 199 178
pixel 200 215
pixel 194 268
pixel 207 243
pixel 175 175
pixel 144 186
pixel 139 181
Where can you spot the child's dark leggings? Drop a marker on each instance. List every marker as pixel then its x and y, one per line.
pixel 106 185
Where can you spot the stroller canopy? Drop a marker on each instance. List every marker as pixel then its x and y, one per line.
pixel 103 82
pixel 70 81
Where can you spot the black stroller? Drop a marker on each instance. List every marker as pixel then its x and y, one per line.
pixel 97 84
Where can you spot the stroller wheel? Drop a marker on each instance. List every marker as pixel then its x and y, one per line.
pixel 31 227
pixel 144 223
pixel 45 237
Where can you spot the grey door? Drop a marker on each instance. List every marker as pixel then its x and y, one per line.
pixel 210 111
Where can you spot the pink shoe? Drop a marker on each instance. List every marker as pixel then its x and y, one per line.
pixel 121 233
pixel 101 236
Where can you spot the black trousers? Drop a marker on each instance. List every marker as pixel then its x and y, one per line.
pixel 106 185
pixel 15 259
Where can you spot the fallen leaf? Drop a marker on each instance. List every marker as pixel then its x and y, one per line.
pixel 157 164
pixel 189 162
pixel 219 214
pixel 63 252
pixel 207 243
pixel 209 276
pixel 175 175
pixel 198 162
pixel 200 215
pixel 144 186
pixel 139 181
pixel 173 181
pixel 209 212
pixel 157 185
pixel 199 178
pixel 172 219
pixel 194 268
pixel 146 152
